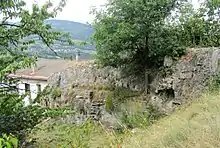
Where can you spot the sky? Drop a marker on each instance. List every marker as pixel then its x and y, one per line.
pixel 75 10
pixel 79 10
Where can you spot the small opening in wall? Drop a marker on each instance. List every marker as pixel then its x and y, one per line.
pixel 38 88
pixel 27 88
pixel 167 93
pixel 170 93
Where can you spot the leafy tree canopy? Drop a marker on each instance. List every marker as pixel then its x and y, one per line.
pixel 137 34
pixel 133 33
pixel 16 118
pixel 31 23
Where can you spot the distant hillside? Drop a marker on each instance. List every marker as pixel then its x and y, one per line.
pixel 78 31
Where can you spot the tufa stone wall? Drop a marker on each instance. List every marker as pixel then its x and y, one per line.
pixel 169 86
pixel 189 77
pixel 89 74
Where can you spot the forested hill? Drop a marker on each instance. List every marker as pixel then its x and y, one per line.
pixel 78 31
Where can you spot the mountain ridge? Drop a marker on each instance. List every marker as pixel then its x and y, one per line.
pixel 78 32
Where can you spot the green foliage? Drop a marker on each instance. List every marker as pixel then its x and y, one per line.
pixel 15 118
pixel 199 28
pixel 165 71
pixel 56 93
pixel 141 119
pixel 12 39
pixel 214 83
pixel 109 105
pixel 134 120
pixel 8 141
pixel 59 112
pixel 136 35
pixel 56 134
pixel 132 34
pixel 81 138
pixel 118 96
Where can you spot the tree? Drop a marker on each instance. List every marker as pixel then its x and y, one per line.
pixel 200 28
pixel 14 117
pixel 12 36
pixel 136 35
pixel 132 34
pixel 213 9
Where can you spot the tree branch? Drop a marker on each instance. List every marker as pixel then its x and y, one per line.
pixel 12 25
pixel 44 40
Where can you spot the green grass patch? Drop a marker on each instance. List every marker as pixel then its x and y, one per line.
pixel 195 125
pixel 87 135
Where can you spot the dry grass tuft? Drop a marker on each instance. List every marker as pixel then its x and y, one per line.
pixel 196 125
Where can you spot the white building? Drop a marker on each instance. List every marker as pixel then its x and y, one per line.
pixel 33 80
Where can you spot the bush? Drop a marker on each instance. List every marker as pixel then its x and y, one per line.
pixel 56 93
pixel 109 105
pixel 214 83
pixel 16 118
pixel 58 112
pixel 8 141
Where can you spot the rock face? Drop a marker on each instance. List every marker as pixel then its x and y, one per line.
pixel 86 108
pixel 187 77
pixel 190 77
pixel 190 74
pixel 89 74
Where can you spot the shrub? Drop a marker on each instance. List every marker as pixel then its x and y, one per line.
pixel 58 112
pixel 56 93
pixel 214 83
pixel 109 105
pixel 8 141
pixel 15 118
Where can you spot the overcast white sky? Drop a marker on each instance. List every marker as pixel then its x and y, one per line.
pixel 78 10
pixel 75 10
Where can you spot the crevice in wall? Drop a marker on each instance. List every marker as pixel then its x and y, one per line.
pixel 168 94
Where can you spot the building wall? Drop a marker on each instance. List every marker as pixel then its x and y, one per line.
pixel 33 88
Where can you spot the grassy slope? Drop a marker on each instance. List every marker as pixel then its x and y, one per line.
pixel 54 134
pixel 197 125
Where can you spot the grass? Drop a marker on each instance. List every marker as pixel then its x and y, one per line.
pixel 88 135
pixel 55 133
pixel 196 125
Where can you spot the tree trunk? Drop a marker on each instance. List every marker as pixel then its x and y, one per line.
pixel 146 82
pixel 146 62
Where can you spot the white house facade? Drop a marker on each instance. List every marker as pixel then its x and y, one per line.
pixel 34 87
pixel 33 80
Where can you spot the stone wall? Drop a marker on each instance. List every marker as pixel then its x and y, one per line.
pixel 90 74
pixel 187 78
pixel 190 77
